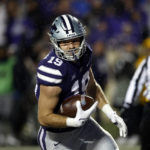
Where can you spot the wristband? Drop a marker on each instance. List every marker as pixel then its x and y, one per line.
pixel 70 122
pixel 108 110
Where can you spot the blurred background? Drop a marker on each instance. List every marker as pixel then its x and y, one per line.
pixel 117 30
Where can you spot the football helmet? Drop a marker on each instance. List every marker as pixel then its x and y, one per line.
pixel 67 27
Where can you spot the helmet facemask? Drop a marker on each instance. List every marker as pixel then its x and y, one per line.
pixel 71 54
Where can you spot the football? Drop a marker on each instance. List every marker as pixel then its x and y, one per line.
pixel 68 107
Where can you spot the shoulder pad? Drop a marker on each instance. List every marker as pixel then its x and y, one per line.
pixel 89 47
pixel 50 71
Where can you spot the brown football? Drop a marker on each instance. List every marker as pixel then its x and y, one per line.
pixel 68 107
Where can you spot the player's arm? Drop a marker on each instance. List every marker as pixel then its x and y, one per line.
pixel 94 90
pixel 48 99
pixel 136 85
pixel 97 93
pixel 147 84
pixel 134 89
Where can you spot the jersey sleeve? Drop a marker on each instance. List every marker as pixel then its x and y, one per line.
pixel 136 85
pixel 148 71
pixel 50 74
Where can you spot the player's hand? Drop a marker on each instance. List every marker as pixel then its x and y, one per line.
pixel 81 115
pixel 118 121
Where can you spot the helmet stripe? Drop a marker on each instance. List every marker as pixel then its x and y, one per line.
pixel 65 25
pixel 67 22
pixel 72 28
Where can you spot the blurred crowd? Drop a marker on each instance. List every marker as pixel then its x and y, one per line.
pixel 117 30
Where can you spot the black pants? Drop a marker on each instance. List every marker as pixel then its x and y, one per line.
pixel 132 118
pixel 137 120
pixel 145 128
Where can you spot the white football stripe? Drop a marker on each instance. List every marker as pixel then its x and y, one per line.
pixel 67 22
pixel 50 70
pixel 41 136
pixel 48 79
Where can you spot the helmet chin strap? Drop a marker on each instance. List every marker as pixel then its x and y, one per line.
pixel 73 54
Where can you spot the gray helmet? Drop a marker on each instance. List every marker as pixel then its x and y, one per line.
pixel 66 27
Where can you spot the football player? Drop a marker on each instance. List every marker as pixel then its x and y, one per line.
pixel 64 72
pixel 137 113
